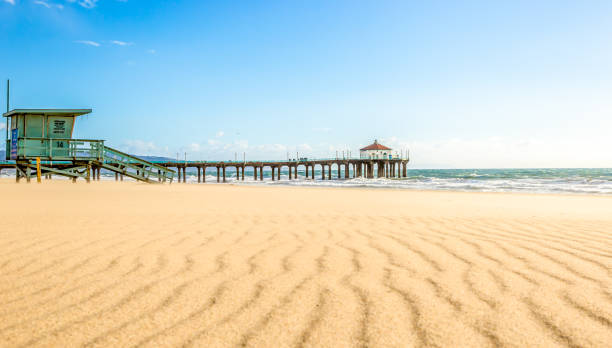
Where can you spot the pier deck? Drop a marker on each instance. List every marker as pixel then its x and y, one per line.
pixel 345 168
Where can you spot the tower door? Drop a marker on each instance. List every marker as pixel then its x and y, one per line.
pixel 34 127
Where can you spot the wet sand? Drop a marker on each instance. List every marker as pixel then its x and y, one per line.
pixel 128 264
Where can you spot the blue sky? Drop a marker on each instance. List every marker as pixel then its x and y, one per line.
pixel 460 83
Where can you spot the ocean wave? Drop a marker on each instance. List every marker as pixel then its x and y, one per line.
pixel 570 181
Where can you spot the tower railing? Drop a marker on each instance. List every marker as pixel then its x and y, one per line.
pixel 60 149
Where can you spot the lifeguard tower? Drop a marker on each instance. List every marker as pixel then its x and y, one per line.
pixel 40 141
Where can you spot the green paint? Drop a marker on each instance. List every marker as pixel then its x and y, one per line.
pixel 47 133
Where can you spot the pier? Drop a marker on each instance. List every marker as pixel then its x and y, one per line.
pixel 344 168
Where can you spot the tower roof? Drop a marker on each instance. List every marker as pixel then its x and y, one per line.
pixel 48 112
pixel 375 146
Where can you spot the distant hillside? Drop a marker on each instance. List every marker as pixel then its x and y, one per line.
pixel 156 158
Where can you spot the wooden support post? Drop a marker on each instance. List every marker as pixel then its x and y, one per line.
pixel 116 176
pixel 199 175
pixel 322 171
pixel 242 173
pixel 204 174
pixel 329 171
pixel 254 173
pixel 312 173
pixel 306 171
pixel 178 169
pixel 38 178
pixel 346 171
pixel 261 173
pixel 272 173
pixel 88 177
pixel 121 177
pixel 223 173
pixel 218 174
pixel 339 170
pixel 184 174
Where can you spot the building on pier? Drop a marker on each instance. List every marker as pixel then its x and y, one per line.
pixel 376 151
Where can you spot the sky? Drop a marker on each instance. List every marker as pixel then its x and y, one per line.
pixel 461 84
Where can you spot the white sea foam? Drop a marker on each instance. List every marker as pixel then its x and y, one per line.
pixel 579 181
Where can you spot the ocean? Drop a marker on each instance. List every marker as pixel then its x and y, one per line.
pixel 557 180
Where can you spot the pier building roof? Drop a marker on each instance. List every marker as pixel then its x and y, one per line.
pixel 375 146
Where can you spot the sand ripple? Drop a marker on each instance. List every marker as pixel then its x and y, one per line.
pixel 231 274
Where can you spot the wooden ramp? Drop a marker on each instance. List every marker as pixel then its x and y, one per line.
pixel 134 167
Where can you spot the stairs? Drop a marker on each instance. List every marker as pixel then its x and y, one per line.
pixel 134 167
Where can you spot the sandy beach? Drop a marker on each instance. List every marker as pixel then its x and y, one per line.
pixel 129 264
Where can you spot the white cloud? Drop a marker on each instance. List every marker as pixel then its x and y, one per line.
pixel 48 5
pixel 505 152
pixel 220 134
pixel 87 3
pixel 194 147
pixel 88 42
pixel 140 147
pixel 121 43
pixel 42 3
pixel 151 51
pixel 12 2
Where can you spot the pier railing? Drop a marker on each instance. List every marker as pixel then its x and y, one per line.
pixel 301 161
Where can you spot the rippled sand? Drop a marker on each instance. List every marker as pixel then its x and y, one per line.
pixel 129 264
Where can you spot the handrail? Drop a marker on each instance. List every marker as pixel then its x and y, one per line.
pixel 63 139
pixel 133 158
pixel 284 161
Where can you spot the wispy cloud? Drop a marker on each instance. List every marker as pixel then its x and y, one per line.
pixel 85 3
pixel 220 134
pixel 12 2
pixel 42 3
pixel 121 43
pixel 88 42
pixel 140 147
pixel 88 3
pixel 151 51
pixel 48 5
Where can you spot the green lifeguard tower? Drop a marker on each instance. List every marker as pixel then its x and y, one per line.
pixel 40 140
